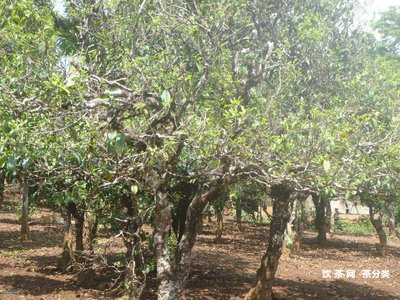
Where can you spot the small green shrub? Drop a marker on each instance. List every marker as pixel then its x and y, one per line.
pixel 361 227
pixel 172 243
pixel 308 217
pixel 32 209
pixel 11 206
pixel 288 242
pixel 247 217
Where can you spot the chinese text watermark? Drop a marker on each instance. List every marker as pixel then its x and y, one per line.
pixel 353 273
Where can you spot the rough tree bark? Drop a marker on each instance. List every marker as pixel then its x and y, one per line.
pixel 238 213
pixel 172 277
pixel 134 272
pixel 131 226
pixel 220 225
pixel 2 183
pixel 320 217
pixel 183 255
pixel 329 216
pixel 293 228
pixel 67 253
pixel 290 229
pixel 25 212
pixel 219 213
pixel 163 219
pixel 391 219
pixel 297 243
pixel 89 229
pixel 302 221
pixel 269 262
pixel 79 217
pixel 179 217
pixel 381 248
pixel 79 234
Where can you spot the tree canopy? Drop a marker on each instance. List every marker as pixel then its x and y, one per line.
pixel 145 105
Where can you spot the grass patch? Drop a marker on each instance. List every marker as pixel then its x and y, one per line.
pixel 15 253
pixel 361 227
pixel 248 218
pixel 10 206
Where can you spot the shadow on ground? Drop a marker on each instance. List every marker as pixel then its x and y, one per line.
pixel 10 240
pixel 338 289
pixel 338 243
pixel 34 285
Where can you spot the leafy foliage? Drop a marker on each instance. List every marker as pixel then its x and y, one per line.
pixel 117 106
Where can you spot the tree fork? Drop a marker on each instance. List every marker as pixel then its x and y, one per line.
pixel 172 278
pixel 381 248
pixel 183 255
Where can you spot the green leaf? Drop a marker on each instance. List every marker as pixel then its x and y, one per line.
pixel 3 159
pixel 327 165
pixel 120 144
pixel 112 135
pixel 11 164
pixel 134 189
pixel 166 98
pixel 25 163
pixel 108 175
pixel 78 158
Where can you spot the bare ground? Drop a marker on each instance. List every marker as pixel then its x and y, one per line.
pixel 227 270
pixel 220 271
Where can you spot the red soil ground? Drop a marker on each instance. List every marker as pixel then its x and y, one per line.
pixel 220 271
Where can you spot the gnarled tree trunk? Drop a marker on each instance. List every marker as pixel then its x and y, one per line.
pixel 293 228
pixel 163 219
pixel 220 225
pixel 219 212
pixel 238 213
pixel 67 253
pixel 329 216
pixel 179 217
pixel 381 248
pixel 391 219
pixel 320 217
pixel 134 272
pixel 200 225
pixel 79 233
pixel 269 262
pixel 172 277
pixel 89 229
pixel 290 229
pixel 25 212
pixel 300 218
pixel 2 183
pixel 79 217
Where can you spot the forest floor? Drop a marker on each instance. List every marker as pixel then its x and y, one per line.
pixel 220 271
